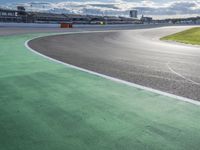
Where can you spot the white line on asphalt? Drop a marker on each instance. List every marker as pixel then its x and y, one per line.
pixel 109 77
pixel 180 75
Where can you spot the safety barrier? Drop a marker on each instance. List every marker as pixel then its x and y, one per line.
pixel 66 25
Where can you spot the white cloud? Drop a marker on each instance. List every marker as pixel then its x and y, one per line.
pixel 121 7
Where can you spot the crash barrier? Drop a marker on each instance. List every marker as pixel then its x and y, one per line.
pixel 66 25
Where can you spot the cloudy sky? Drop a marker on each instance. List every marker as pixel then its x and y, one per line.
pixel 154 8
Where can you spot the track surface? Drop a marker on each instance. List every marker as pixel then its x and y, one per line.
pixel 23 29
pixel 48 106
pixel 137 56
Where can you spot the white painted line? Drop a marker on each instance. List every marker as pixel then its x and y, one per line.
pixel 109 77
pixel 180 75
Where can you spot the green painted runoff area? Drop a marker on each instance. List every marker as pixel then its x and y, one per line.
pixel 191 36
pixel 48 106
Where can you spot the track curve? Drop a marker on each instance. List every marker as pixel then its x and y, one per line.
pixel 136 56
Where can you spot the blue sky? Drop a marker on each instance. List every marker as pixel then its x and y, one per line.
pixel 154 8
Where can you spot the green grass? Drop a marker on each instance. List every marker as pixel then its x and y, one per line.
pixel 191 36
pixel 47 106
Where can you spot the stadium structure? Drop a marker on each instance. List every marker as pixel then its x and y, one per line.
pixel 21 15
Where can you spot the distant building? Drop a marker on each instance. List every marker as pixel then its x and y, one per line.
pixel 8 15
pixel 112 20
pixel 78 19
pixel 21 10
pixel 133 13
pixel 126 20
pixel 146 19
pixel 39 17
pixel 20 15
pixel 97 20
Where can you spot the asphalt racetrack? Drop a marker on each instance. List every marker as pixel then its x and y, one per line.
pixel 137 56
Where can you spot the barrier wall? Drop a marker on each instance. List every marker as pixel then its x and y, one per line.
pixel 35 25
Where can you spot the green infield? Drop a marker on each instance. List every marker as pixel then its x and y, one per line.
pixel 191 36
pixel 48 106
